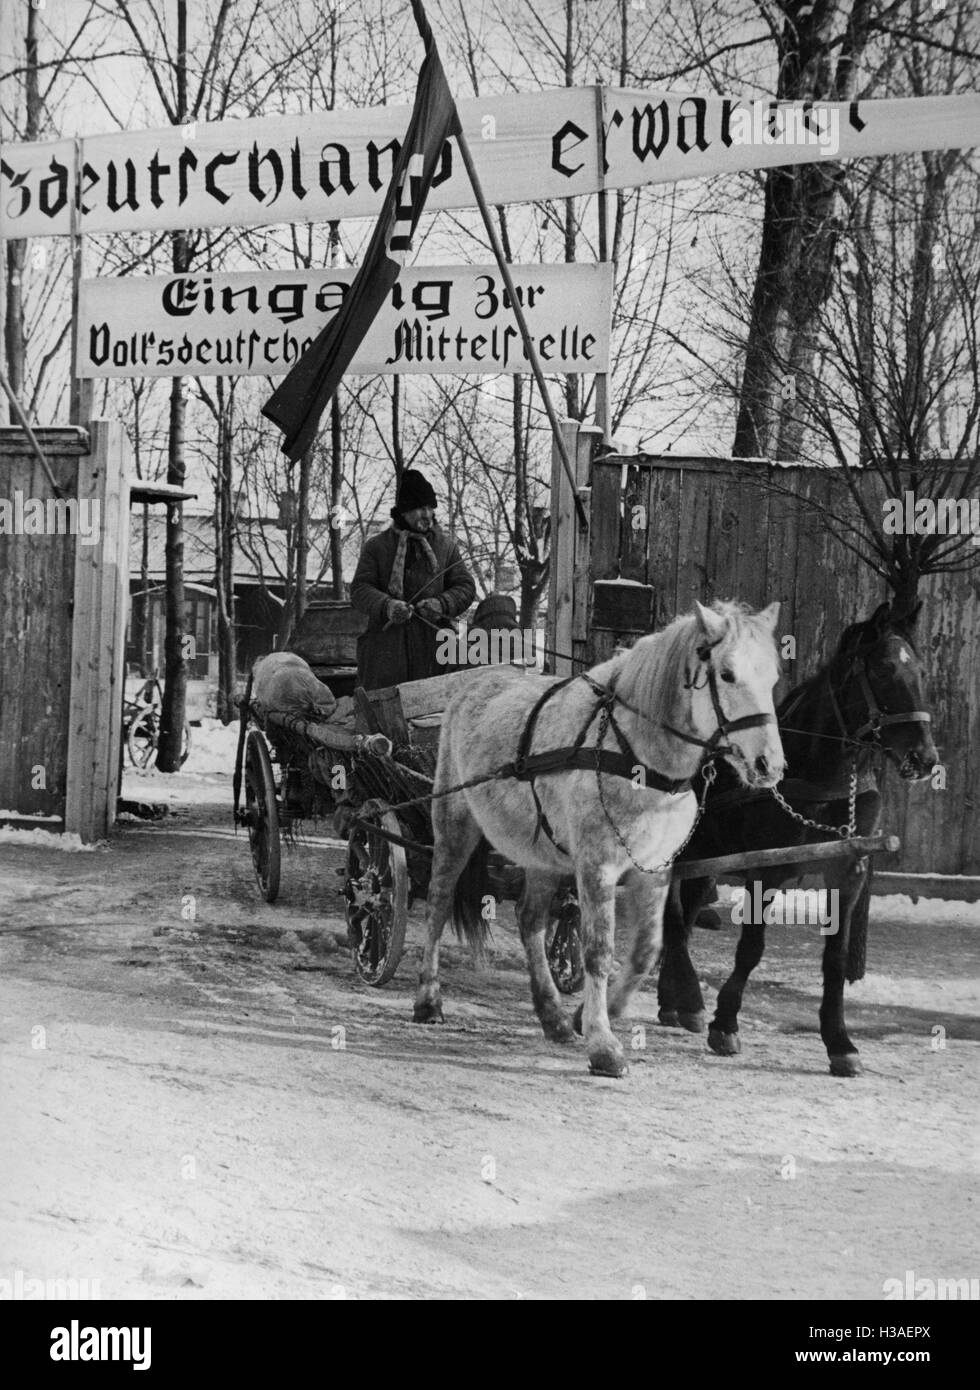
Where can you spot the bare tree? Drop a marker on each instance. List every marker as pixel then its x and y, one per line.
pixel 838 50
pixel 35 315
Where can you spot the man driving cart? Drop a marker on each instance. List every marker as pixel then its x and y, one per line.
pixel 410 581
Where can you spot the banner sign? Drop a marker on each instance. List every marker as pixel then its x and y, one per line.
pixel 311 168
pixel 317 168
pixel 451 319
pixel 663 138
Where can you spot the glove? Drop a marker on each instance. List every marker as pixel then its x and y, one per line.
pixel 430 608
pixel 398 612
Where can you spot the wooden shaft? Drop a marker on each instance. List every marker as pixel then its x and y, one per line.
pixel 789 854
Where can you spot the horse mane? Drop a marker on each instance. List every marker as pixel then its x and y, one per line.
pixel 653 674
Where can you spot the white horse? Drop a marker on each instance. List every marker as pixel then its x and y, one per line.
pixel 704 683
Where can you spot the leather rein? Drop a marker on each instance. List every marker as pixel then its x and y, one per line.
pixel 527 765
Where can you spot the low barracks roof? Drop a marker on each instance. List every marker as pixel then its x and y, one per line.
pixel 260 553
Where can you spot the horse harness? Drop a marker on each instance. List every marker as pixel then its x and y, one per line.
pixel 860 782
pixel 877 719
pixel 624 763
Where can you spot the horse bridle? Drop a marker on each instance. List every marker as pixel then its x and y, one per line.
pixel 877 718
pixel 713 746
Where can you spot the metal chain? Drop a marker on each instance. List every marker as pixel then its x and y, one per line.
pixel 708 772
pixel 844 831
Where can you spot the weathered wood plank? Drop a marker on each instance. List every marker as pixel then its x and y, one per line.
pixel 563 544
pixel 606 519
pixel 635 524
pixel 36 578
pixel 98 639
pixel 789 854
pixel 663 542
pixel 693 580
pixel 589 438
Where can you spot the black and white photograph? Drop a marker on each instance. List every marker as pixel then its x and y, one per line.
pixel 490 666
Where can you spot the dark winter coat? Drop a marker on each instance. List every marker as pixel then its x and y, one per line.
pixel 407 651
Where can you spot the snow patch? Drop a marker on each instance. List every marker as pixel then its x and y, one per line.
pixel 48 839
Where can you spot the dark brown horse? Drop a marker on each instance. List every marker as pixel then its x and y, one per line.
pixel 864 705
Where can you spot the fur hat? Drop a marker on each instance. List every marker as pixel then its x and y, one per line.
pixel 495 611
pixel 414 490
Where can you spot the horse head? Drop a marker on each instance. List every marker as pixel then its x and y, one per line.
pixel 876 678
pixel 711 685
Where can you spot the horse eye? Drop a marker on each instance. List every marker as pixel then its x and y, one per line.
pixel 728 676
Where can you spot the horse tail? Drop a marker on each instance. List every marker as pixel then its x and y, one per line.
pixel 469 923
pixel 857 941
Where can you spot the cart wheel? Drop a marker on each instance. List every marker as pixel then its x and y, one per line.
pixel 141 740
pixel 563 945
pixel 376 889
pixel 262 815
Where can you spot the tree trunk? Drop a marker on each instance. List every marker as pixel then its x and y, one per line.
pixel 302 535
pixel 336 480
pixel 15 324
pixel 224 567
pixel 336 428
pixel 172 714
pixel 175 665
pixel 142 605
pixel 146 634
pixel 396 428
pixel 799 236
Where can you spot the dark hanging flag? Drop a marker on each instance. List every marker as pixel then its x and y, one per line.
pixel 299 401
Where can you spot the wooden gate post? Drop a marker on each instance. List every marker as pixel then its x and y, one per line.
pixel 589 439
pixel 98 639
pixel 561 577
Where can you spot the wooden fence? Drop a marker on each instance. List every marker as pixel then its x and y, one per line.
pixel 63 600
pixel 680 529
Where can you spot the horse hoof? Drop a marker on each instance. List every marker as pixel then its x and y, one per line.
pixel 845 1064
pixel 694 1023
pixel 669 1018
pixel 605 1062
pixel 724 1044
pixel 709 918
pixel 561 1031
pixel 577 1020
pixel 428 1013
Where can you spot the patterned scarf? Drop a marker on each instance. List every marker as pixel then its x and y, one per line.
pixel 396 584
